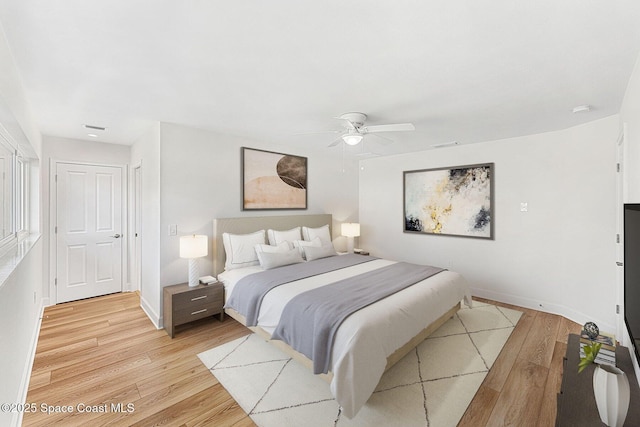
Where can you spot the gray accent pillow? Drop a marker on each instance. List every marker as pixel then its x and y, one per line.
pixel 313 252
pixel 278 259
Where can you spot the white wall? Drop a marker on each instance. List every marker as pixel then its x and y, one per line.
pixel 15 111
pixel 201 180
pixel 630 115
pixel 558 257
pixel 21 292
pixel 146 153
pixel 20 308
pixel 72 150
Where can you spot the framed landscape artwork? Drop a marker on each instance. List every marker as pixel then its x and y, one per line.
pixel 456 201
pixel 273 180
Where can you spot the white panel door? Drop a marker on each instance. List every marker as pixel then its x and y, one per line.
pixel 89 227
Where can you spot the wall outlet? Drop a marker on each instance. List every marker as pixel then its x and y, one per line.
pixel 524 207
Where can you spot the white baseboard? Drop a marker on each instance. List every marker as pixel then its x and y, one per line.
pixel 547 307
pixel 128 287
pixel 151 314
pixel 26 372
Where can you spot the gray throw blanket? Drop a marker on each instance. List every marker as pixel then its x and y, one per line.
pixel 311 319
pixel 248 293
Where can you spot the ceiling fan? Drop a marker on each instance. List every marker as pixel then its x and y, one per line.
pixel 355 128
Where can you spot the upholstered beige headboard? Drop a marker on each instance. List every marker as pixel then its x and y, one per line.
pixel 244 225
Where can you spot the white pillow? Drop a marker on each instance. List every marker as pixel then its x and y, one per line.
pixel 282 247
pixel 301 244
pixel 314 252
pixel 322 232
pixel 240 249
pixel 269 260
pixel 290 236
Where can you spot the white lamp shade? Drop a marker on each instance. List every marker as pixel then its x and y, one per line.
pixel 351 229
pixel 194 246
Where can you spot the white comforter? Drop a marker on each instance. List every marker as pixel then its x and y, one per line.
pixel 366 338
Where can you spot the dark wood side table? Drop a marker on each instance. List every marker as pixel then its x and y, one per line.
pixel 184 304
pixel 576 401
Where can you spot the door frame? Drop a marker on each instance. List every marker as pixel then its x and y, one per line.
pixel 53 209
pixel 135 242
pixel 621 198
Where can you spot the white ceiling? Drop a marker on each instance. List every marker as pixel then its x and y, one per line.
pixel 464 70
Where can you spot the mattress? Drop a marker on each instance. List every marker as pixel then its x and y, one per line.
pixel 366 338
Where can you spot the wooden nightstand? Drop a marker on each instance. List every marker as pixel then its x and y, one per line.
pixel 183 304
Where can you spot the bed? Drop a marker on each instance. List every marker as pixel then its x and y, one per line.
pixel 369 341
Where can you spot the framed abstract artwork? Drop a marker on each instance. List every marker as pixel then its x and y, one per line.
pixel 273 180
pixel 455 201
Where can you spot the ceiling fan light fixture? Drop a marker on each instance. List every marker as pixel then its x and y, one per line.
pixel 352 138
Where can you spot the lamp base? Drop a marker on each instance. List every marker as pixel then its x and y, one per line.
pixel 350 244
pixel 194 274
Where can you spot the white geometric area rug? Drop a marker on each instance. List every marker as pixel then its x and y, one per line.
pixel 431 386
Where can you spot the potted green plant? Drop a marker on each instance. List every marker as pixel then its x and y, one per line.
pixel 610 384
pixel 590 353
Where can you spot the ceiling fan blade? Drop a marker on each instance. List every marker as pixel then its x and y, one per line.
pixel 367 152
pixel 336 142
pixel 384 139
pixel 390 128
pixel 349 122
pixel 317 132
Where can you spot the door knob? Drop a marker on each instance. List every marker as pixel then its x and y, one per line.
pixel 117 236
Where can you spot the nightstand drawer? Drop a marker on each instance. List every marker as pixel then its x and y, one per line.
pixel 198 297
pixel 196 312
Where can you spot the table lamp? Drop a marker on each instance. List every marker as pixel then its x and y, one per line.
pixel 193 247
pixel 350 230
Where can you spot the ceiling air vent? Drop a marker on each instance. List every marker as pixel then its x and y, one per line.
pixel 95 127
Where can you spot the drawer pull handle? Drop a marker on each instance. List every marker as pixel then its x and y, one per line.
pixel 199 311
pixel 197 298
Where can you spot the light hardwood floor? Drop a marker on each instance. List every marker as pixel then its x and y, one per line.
pixel 104 350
